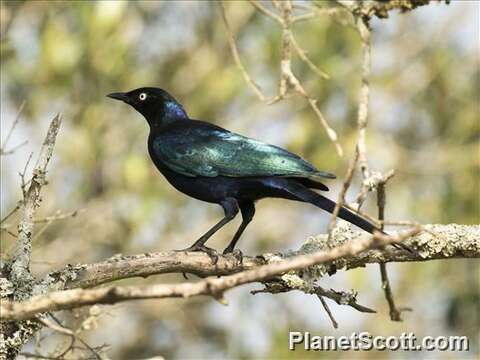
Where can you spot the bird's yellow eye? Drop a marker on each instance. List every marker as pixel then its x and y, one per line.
pixel 142 96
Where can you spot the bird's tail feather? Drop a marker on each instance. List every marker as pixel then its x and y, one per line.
pixel 306 195
pixel 343 213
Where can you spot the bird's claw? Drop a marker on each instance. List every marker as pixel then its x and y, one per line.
pixel 237 254
pixel 212 253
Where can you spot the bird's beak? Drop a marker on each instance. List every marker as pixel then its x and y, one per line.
pixel 119 96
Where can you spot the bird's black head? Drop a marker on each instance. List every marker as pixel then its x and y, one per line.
pixel 156 105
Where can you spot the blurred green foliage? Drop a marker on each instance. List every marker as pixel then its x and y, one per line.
pixel 424 122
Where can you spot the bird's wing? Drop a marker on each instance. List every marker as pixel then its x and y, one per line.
pixel 214 152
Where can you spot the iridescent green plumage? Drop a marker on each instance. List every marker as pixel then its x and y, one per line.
pixel 199 151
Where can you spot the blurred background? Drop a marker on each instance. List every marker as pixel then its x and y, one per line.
pixel 423 122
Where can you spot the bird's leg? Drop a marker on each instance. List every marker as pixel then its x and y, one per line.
pixel 230 207
pixel 402 246
pixel 248 210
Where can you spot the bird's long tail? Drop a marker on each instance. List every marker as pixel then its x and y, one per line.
pixel 304 194
pixel 343 213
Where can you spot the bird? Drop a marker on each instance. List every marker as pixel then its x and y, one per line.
pixel 215 165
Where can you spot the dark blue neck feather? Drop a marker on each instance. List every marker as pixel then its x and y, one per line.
pixel 174 110
pixel 170 112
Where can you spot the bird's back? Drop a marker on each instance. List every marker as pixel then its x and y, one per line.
pixel 196 148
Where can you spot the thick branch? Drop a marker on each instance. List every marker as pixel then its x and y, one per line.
pixel 452 241
pixel 69 299
pixel 144 265
pixel 312 262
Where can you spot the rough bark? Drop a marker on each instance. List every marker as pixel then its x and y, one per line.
pixel 296 270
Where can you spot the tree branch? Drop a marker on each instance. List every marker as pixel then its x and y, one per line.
pixel 20 266
pixel 452 241
pixel 144 265
pixel 395 312
pixel 381 9
pixel 16 279
pixel 215 287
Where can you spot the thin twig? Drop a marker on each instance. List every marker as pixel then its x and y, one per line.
pixel 13 211
pixel 58 216
pixel 233 48
pixel 362 119
pixel 276 286
pixel 329 313
pixel 314 12
pixel 341 195
pixel 63 330
pixel 344 298
pixel 47 221
pixel 370 184
pixel 14 124
pixel 394 313
pixel 303 55
pixel 287 78
pixel 381 202
pixel 23 183
pixel 55 327
pixel 38 356
pixel 266 12
pixel 332 134
pixel 13 149
pixel 9 232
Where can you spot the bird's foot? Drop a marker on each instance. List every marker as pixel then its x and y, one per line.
pixel 212 253
pixel 237 254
